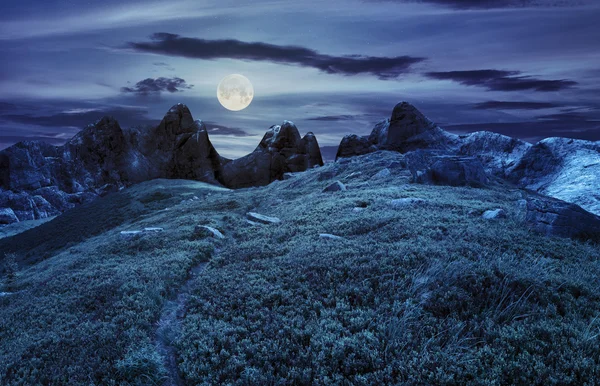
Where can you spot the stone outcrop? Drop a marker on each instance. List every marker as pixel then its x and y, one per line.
pixel 452 171
pixel 553 217
pixel 563 168
pixel 38 180
pixel 280 151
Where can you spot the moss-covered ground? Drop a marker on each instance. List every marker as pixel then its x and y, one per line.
pixel 423 294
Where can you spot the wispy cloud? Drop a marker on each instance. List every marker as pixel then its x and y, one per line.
pixel 150 86
pixel 196 48
pixel 500 80
pixel 495 4
pixel 516 105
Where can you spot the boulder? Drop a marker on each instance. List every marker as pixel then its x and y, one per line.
pixel 213 232
pixel 329 236
pixel 553 217
pixel 7 216
pixel 383 173
pixel 563 168
pixel 494 214
pixel 261 218
pixel 336 186
pixel 452 171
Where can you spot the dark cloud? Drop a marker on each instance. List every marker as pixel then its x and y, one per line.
pixel 215 129
pixel 568 117
pixel 150 86
pixel 127 116
pixel 499 80
pixel 332 118
pixel 175 45
pixel 494 4
pixel 501 105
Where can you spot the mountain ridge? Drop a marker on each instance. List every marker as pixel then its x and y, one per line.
pixel 38 180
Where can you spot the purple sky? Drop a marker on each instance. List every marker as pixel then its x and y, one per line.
pixel 528 69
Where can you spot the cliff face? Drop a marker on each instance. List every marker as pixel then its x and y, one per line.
pixel 38 180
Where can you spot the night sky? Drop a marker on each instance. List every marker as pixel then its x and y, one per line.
pixel 528 69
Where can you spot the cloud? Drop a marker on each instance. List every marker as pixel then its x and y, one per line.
pixel 332 118
pixel 215 129
pixel 175 45
pixel 502 105
pixel 82 117
pixel 150 86
pixel 495 4
pixel 499 80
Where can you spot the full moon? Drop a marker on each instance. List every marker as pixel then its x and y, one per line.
pixel 235 92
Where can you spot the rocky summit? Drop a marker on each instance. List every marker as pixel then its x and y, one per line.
pixel 38 180
pixel 562 168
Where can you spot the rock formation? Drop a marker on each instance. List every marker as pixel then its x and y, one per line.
pixel 563 168
pixel 38 180
pixel 280 151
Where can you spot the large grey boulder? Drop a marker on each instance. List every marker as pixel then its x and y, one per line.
pixel 553 217
pixel 567 169
pixel 452 171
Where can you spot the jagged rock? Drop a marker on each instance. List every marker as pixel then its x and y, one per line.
pixel 553 217
pixel 452 171
pixel 337 186
pixel 498 153
pixel 567 169
pixel 494 214
pixel 38 180
pixel 7 216
pixel 353 145
pixel 558 167
pixel 280 151
pixel 392 134
pixel 261 218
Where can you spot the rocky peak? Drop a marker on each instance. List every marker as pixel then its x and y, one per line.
pixel 178 120
pixel 280 137
pixel 406 121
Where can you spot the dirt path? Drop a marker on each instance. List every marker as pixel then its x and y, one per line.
pixel 169 325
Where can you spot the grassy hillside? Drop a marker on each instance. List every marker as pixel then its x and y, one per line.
pixel 427 293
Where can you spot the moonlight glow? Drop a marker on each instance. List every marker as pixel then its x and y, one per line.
pixel 235 92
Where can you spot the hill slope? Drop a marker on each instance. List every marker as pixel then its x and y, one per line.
pixel 419 289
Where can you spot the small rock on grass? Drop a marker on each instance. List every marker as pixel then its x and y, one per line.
pixel 130 233
pixel 329 236
pixel 337 186
pixel 212 231
pixel 261 218
pixel 494 214
pixel 383 173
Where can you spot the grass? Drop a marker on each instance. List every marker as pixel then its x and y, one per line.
pixel 428 294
